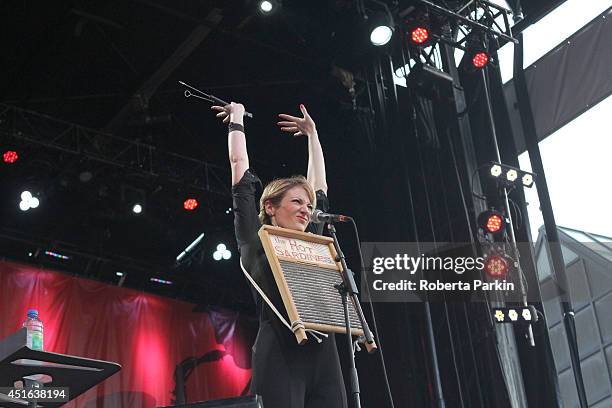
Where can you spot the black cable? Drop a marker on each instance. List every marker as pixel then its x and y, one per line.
pixel 371 303
pixel 518 212
pixel 473 101
pixel 472 184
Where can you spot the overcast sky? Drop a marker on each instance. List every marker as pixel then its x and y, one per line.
pixel 578 164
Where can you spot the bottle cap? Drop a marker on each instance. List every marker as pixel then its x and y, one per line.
pixel 33 313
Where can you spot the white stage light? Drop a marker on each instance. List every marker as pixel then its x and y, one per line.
pixel 222 253
pixel 381 35
pixel 266 6
pixel 28 201
pixel 496 170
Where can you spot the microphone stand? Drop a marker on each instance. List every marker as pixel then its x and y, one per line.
pixel 347 288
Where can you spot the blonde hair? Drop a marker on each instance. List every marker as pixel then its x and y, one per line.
pixel 275 191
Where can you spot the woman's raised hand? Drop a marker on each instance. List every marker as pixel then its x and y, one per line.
pixel 298 126
pixel 234 112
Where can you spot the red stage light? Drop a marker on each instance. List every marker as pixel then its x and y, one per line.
pixel 491 221
pixel 496 266
pixel 10 156
pixel 494 223
pixel 419 35
pixel 480 59
pixel 190 204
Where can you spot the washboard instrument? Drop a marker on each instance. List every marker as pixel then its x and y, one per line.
pixel 305 272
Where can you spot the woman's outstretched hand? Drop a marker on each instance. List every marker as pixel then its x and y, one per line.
pixel 234 112
pixel 298 126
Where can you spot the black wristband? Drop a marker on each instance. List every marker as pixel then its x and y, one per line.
pixel 235 126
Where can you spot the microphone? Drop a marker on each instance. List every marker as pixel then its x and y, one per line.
pixel 320 217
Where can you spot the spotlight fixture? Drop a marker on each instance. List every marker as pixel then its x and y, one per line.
pixel 10 156
pixel 190 204
pixel 477 53
pixel 419 35
pixel 28 201
pixel 381 35
pixel 133 198
pixel 420 28
pixel 527 180
pixel 381 28
pixel 496 170
pixel 221 253
pixel 496 266
pixel 268 7
pixel 518 315
pixel 480 59
pixel 509 176
pixel 492 221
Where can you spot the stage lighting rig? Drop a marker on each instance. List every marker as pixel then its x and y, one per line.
pixel 137 209
pixel 381 35
pixel 480 59
pixel 492 221
pixel 134 198
pixel 268 7
pixel 10 156
pixel 497 265
pixel 190 204
pixel 510 176
pixel 498 260
pixel 381 27
pixel 380 23
pixel 28 201
pixel 517 315
pixel 419 28
pixel 477 55
pixel 419 35
pixel 222 253
pixel 427 23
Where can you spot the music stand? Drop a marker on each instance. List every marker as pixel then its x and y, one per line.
pixel 77 373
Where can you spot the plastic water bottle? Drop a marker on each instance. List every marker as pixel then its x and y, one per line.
pixel 35 330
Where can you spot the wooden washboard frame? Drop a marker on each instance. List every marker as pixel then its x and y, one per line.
pixel 302 264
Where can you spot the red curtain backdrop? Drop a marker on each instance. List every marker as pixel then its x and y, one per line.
pixel 147 334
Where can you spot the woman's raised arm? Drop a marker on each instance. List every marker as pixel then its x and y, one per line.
pixel 236 138
pixel 316 162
